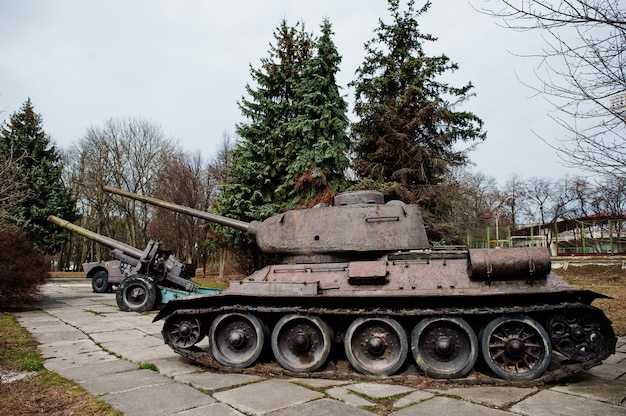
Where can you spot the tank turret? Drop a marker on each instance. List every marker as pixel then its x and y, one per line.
pixel 359 222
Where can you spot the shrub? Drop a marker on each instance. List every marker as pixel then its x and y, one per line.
pixel 22 270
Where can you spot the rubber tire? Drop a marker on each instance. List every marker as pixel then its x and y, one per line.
pixel 100 282
pixel 131 282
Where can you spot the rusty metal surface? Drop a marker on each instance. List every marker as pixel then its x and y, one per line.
pixel 512 263
pixel 325 229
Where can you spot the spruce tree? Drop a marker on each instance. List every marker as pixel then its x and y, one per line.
pixel 294 145
pixel 316 170
pixel 408 125
pixel 40 168
pixel 260 161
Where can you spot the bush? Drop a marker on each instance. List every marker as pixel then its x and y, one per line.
pixel 22 269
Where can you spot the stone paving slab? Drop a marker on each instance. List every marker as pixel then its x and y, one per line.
pixel 140 353
pixel 175 365
pixel 613 367
pixel 319 383
pixel 126 336
pixel 412 398
pixel 379 390
pixel 66 333
pixel 215 381
pixel 96 370
pixel 77 360
pixel 345 395
pixel 105 325
pixel 323 407
pixel 586 385
pixel 551 403
pixel 65 348
pixel 500 397
pixel 267 396
pixel 438 406
pixel 159 400
pixel 215 409
pixel 123 381
pixel 35 319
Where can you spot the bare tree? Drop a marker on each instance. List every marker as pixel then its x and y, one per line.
pixel 123 153
pixel 13 188
pixel 610 196
pixel 216 176
pixel 584 74
pixel 182 181
pixel 513 198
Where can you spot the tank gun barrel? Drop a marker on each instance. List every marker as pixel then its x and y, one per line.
pixel 105 241
pixel 228 222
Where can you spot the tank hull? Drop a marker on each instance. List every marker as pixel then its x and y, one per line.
pixel 440 310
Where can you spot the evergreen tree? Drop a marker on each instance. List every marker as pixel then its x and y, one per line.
pixel 40 169
pixel 319 153
pixel 260 161
pixel 408 125
pixel 293 151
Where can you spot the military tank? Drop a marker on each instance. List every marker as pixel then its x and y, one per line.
pixel 360 280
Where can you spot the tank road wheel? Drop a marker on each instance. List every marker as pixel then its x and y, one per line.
pixel 516 348
pixel 136 293
pixel 237 339
pixel 444 347
pixel 376 346
pixel 100 281
pixel 301 343
pixel 582 334
pixel 183 331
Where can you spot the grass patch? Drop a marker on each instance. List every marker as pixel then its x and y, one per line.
pixel 18 352
pixel 211 283
pixel 44 392
pixel 148 366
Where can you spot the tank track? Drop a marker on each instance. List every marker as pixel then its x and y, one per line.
pixel 340 369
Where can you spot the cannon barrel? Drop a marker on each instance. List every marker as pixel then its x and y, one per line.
pixel 105 241
pixel 228 222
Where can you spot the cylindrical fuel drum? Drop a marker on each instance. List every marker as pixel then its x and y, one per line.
pixel 509 263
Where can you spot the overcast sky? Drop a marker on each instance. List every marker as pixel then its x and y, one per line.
pixel 184 64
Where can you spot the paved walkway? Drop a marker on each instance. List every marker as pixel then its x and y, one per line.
pixel 85 337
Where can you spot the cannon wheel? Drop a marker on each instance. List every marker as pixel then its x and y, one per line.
pixel 100 281
pixel 136 293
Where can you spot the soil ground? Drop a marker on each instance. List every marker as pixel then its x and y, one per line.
pixel 607 280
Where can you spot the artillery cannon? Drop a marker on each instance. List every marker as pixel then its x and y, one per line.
pixel 361 273
pixel 147 269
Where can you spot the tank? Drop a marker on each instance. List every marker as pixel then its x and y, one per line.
pixel 359 283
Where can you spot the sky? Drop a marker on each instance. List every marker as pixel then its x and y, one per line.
pixel 184 65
